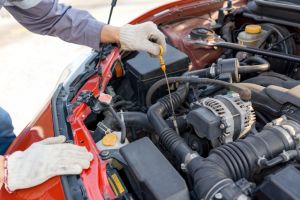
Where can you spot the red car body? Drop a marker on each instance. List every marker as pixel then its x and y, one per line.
pixel 94 179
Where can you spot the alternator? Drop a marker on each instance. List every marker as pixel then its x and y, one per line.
pixel 222 119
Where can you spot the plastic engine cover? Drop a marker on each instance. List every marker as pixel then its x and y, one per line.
pixel 144 67
pixel 151 174
pixel 281 185
pixel 145 70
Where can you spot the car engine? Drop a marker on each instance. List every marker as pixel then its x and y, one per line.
pixel 230 127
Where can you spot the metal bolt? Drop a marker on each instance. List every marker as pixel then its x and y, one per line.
pixel 222 126
pixel 104 154
pixel 183 167
pixel 218 196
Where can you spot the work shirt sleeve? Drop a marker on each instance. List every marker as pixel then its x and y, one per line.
pixel 48 17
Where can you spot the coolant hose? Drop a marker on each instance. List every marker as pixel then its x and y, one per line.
pixel 136 119
pixel 236 160
pixel 168 137
pixel 200 73
pixel 163 82
pixel 140 120
pixel 243 92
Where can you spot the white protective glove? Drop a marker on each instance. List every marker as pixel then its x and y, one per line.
pixel 44 160
pixel 142 37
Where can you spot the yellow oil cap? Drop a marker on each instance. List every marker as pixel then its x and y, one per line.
pixel 253 29
pixel 109 139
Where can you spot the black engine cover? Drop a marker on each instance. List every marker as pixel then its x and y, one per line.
pixel 281 185
pixel 151 174
pixel 145 70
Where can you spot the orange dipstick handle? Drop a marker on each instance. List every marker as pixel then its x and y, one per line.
pixel 161 59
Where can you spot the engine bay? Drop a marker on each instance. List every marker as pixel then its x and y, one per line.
pixel 229 129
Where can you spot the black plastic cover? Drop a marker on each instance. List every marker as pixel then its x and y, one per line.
pixel 145 70
pixel 282 185
pixel 144 67
pixel 205 123
pixel 284 96
pixel 151 174
pixel 276 9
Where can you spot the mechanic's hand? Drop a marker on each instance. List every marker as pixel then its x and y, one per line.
pixel 142 37
pixel 44 160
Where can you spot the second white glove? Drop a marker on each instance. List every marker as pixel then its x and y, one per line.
pixel 142 37
pixel 44 160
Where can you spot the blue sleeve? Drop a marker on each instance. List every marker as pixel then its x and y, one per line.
pixel 48 17
pixel 6 131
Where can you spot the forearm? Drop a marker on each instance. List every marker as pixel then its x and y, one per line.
pixel 47 17
pixel 50 18
pixel 1 171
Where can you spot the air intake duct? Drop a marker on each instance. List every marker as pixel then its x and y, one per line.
pixel 231 162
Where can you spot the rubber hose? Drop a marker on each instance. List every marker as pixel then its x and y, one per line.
pixel 201 73
pixel 136 119
pixel 140 120
pixel 236 160
pixel 243 92
pixel 168 137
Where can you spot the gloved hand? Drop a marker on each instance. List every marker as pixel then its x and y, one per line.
pixel 142 37
pixel 44 160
